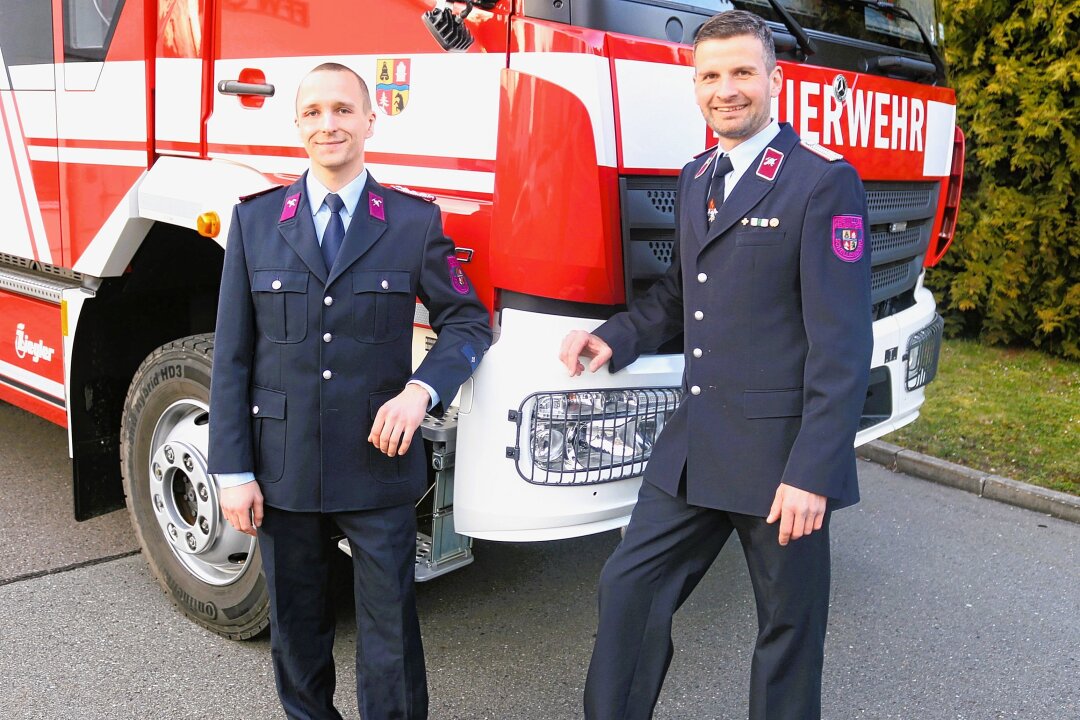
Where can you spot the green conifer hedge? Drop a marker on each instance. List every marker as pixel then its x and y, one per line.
pixel 1013 274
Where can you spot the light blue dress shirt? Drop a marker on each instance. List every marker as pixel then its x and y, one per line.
pixel 743 154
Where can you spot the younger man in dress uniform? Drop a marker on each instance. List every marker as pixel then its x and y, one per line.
pixel 314 406
pixel 770 286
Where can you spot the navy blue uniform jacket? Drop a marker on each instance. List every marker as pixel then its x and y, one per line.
pixel 305 356
pixel 777 366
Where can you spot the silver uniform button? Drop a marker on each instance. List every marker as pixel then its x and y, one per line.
pixel 255 410
pixel 326 374
pixel 698 315
pixel 328 301
pixel 385 284
pixel 695 390
pixel 276 284
pixel 327 337
pixel 702 277
pixel 697 352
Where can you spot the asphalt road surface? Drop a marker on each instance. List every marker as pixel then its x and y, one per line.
pixel 944 606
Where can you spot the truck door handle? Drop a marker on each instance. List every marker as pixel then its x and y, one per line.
pixel 236 87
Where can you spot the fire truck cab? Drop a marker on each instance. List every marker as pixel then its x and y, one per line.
pixel 550 132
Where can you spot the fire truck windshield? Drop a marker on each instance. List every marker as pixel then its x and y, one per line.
pixel 849 19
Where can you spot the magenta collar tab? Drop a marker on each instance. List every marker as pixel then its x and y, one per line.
pixel 288 210
pixel 703 168
pixel 770 164
pixel 376 206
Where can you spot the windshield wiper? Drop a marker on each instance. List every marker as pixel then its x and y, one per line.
pixel 805 43
pixel 891 8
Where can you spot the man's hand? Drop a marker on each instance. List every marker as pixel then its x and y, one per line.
pixel 800 512
pixel 397 420
pixel 242 507
pixel 578 343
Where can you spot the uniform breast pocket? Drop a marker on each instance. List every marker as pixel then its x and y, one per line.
pixel 280 299
pixel 383 305
pixel 759 238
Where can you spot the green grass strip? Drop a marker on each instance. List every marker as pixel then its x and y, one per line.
pixel 1010 412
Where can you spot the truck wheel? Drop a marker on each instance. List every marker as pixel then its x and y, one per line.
pixel 210 571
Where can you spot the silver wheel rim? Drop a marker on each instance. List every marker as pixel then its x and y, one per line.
pixel 184 498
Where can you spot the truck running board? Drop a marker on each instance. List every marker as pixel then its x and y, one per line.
pixel 443 550
pixel 33 284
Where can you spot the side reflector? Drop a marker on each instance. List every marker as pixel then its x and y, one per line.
pixel 209 224
pixel 936 251
pixel 63 318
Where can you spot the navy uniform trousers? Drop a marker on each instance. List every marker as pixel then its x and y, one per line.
pixel 668 547
pixel 391 681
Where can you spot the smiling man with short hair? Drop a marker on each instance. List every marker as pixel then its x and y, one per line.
pixel 770 286
pixel 314 405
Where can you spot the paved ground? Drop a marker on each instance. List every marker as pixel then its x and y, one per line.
pixel 944 606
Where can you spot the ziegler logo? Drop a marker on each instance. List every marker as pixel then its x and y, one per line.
pixel 25 346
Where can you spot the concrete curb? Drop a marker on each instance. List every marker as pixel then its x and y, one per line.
pixel 987 485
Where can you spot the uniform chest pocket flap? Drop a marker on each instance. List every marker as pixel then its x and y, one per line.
pixel 383 304
pixel 280 298
pixel 755 237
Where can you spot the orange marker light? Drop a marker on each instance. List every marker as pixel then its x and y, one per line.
pixel 209 224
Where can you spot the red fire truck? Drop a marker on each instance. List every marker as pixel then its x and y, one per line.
pixel 550 133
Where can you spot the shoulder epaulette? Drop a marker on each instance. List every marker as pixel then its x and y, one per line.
pixel 822 151
pixel 416 194
pixel 252 196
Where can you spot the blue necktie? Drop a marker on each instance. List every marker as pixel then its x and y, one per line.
pixel 716 189
pixel 335 230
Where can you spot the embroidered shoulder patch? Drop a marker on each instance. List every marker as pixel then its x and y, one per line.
pixel 822 151
pixel 848 239
pixel 288 209
pixel 415 193
pixel 458 281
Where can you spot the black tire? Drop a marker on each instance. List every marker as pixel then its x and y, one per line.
pixel 212 573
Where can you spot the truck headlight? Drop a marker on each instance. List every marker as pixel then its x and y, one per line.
pixel 579 438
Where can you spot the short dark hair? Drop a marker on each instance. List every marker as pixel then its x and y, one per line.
pixel 338 67
pixel 739 22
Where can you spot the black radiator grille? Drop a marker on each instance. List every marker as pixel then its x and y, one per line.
pixel 901 220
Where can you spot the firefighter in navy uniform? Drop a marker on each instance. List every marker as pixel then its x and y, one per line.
pixel 314 406
pixel 770 284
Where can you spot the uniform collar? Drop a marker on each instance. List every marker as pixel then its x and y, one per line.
pixel 744 154
pixel 350 194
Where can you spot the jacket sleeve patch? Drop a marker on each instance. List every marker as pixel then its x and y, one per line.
pixel 458 281
pixel 471 355
pixel 848 238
